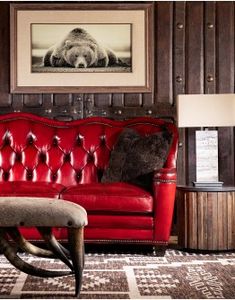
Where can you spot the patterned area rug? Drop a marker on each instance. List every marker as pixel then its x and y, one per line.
pixel 129 276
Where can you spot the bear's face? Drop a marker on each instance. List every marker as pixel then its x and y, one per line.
pixel 79 55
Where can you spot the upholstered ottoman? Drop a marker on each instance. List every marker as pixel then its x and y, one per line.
pixel 43 213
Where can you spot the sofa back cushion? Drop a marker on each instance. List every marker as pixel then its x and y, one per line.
pixel 38 149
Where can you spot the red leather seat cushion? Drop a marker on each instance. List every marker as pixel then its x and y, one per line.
pixel 30 189
pixel 110 197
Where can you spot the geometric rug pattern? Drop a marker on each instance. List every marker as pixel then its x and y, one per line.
pixel 176 275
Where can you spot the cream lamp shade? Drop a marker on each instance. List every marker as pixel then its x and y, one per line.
pixel 210 110
pixel 206 110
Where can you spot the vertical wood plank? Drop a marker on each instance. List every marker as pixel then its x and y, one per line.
pixel 5 97
pixel 191 156
pixel 230 218
pixel 164 43
pixel 18 102
pixel 209 221
pixel 33 100
pixel 181 217
pixel 225 46
pixel 179 79
pixel 224 220
pixel 213 198
pixel 211 225
pixel 63 99
pixel 148 99
pixel 205 218
pixel 118 100
pixel 226 155
pixel 233 221
pixel 220 219
pixel 193 224
pixel 200 216
pixel 179 48
pixel 102 100
pixel 89 105
pixel 185 219
pixel 202 220
pixel 194 48
pixel 133 100
pixel 225 84
pixel 194 63
pixel 210 48
pixel 78 106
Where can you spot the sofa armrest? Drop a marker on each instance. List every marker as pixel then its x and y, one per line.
pixel 164 188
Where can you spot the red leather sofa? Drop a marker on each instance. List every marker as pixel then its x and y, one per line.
pixel 46 158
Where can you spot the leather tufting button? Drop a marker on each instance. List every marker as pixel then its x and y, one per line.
pixel 54 176
pixel 29 175
pixel 6 141
pixel 55 142
pixel 102 140
pixel 42 157
pixel 90 157
pixel 100 173
pixel 67 157
pixel 78 176
pixel 79 141
pixel 30 140
pixel 5 175
pixel 18 156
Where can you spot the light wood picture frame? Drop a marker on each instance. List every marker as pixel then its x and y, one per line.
pixel 81 48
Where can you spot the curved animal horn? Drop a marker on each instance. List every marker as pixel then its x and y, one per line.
pixel 53 244
pixel 76 242
pixel 65 250
pixel 16 261
pixel 25 245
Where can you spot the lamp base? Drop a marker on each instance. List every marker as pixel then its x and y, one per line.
pixel 208 183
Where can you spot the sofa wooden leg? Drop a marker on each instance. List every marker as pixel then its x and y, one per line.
pixel 76 243
pixel 159 250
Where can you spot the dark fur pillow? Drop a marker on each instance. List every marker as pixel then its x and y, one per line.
pixel 135 155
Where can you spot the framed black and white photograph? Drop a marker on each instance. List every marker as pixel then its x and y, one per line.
pixel 81 48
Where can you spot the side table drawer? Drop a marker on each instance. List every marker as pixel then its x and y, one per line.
pixel 206 219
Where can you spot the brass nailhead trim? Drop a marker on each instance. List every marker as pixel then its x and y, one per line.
pixel 164 180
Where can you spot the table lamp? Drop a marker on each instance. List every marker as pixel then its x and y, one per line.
pixel 206 110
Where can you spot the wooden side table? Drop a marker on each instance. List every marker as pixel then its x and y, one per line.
pixel 206 218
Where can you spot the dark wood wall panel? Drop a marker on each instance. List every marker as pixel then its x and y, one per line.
pixel 225 47
pixel 179 78
pixel 194 47
pixel 225 84
pixel 31 100
pixel 193 53
pixel 210 48
pixel 163 52
pixel 194 64
pixel 5 97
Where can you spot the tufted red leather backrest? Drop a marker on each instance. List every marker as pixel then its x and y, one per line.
pixel 35 149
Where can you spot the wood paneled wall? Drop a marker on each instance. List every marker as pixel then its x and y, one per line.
pixel 194 53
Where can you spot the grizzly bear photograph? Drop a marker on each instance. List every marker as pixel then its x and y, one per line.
pixel 77 50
